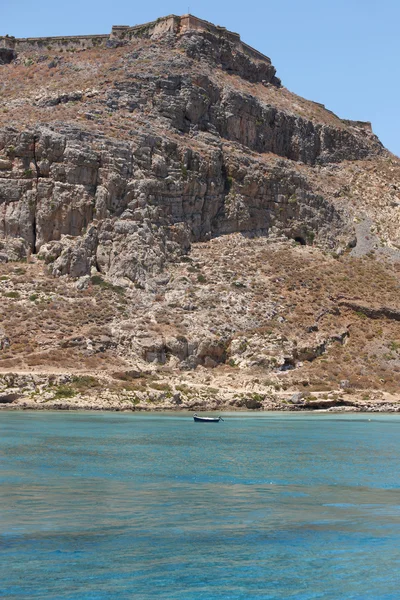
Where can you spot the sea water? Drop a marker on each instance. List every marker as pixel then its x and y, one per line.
pixel 100 506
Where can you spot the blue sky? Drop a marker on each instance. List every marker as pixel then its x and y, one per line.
pixel 343 53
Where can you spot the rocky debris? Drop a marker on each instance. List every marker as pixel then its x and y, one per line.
pixel 252 315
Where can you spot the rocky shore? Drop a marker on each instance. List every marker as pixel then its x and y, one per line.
pixel 69 392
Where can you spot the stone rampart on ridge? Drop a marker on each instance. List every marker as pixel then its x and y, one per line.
pixel 171 24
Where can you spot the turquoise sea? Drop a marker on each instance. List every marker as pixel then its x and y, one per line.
pixel 101 506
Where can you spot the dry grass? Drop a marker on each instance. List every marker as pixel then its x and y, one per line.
pixel 306 287
pixel 49 322
pixel 284 293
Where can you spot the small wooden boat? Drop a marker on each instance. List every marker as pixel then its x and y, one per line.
pixel 207 419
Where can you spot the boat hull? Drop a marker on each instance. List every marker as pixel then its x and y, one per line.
pixel 207 419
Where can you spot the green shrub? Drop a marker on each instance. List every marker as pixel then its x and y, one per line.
pixel 394 346
pixel 64 391
pixel 360 314
pixel 310 237
pixel 162 387
pixel 185 389
pixel 229 183
pixel 84 382
pixel 106 285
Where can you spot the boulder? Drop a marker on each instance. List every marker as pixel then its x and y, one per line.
pixel 4 340
pixel 297 398
pixel 8 398
pixel 253 404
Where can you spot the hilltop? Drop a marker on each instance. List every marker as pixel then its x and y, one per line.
pixel 180 230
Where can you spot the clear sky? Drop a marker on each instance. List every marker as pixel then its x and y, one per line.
pixel 343 53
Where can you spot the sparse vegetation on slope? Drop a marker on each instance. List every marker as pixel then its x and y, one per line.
pixel 177 231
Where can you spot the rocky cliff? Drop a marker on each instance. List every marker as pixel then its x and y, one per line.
pixel 123 157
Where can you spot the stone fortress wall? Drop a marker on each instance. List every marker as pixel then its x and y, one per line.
pixel 170 24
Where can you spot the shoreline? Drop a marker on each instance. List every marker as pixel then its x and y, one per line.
pixel 69 392
pixel 188 412
pixel 93 406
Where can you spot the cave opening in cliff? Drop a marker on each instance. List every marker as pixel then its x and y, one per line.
pixel 288 365
pixel 300 240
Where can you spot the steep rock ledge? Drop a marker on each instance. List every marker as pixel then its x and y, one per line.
pixel 84 201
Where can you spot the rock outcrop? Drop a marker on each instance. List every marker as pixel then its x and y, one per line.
pixel 179 210
pixel 195 167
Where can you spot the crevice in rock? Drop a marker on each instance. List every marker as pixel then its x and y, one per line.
pixel 371 312
pixel 97 266
pixel 37 169
pixel 34 234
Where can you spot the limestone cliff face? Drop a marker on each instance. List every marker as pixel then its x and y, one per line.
pixel 125 210
pixel 170 139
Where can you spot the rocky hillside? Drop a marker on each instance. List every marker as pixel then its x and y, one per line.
pixel 169 209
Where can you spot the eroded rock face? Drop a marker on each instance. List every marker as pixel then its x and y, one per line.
pixel 127 208
pixel 196 156
pixel 191 104
pixel 220 51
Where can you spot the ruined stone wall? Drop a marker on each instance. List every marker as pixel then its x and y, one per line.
pixel 78 42
pixel 7 52
pixel 7 42
pixel 171 24
pixel 189 22
pixel 162 26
